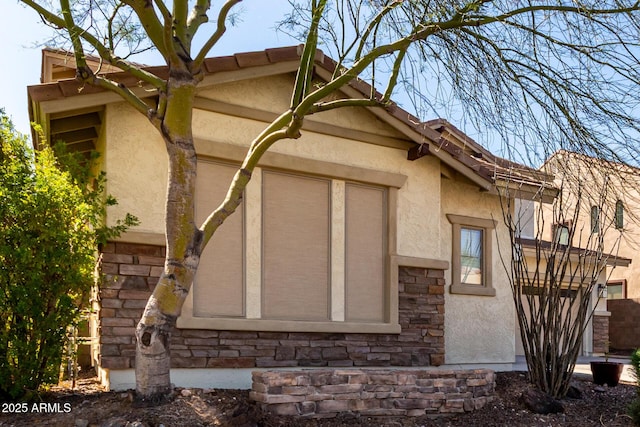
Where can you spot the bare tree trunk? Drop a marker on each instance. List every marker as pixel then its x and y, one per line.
pixel 184 246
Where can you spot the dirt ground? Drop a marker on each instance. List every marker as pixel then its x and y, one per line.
pixel 89 405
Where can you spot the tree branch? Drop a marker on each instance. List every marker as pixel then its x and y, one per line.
pixel 307 59
pixel 151 24
pixel 220 30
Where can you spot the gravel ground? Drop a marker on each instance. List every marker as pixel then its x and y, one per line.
pixel 89 405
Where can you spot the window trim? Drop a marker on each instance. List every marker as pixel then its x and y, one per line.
pixel 557 229
pixel 487 225
pixel 622 282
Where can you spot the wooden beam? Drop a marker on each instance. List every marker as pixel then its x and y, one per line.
pixel 417 151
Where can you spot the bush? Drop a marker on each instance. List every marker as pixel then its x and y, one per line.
pixel 634 408
pixel 50 226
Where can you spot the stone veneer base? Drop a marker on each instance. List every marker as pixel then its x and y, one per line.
pixel 325 393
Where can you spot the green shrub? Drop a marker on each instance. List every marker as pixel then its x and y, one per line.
pixel 50 226
pixel 634 408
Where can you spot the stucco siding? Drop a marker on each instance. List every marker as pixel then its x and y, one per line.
pixel 478 329
pixel 137 167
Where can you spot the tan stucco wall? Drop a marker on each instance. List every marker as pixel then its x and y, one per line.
pixel 137 163
pixel 478 329
pixel 273 94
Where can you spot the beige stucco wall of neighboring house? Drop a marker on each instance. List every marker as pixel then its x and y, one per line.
pixel 621 186
pixel 478 329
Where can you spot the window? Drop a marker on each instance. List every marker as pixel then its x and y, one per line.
pixel 619 218
pixel 595 219
pixel 471 255
pixel 296 244
pixel 617 289
pixel 561 233
pixel 223 272
pixel 524 211
pixel 301 253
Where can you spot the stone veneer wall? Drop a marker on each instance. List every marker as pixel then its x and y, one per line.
pixel 130 271
pixel 372 392
pixel 600 333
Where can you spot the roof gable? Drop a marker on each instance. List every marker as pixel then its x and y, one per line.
pixel 50 101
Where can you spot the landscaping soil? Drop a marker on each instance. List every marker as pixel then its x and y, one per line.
pixel 89 405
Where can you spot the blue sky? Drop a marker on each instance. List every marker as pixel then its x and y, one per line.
pixel 21 30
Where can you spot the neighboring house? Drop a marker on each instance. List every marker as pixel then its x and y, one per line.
pixel 370 241
pixel 611 205
pixel 609 199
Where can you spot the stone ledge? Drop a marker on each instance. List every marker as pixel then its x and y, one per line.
pixel 325 393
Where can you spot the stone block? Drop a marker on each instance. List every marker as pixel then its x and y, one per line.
pixel 134 294
pixel 282 398
pixel 111 303
pixel 109 293
pixel 124 331
pixel 135 303
pixel 134 270
pixel 253 352
pixel 270 362
pixel 207 342
pixel 117 258
pixel 134 283
pixel 306 408
pixel 436 359
pixel 132 313
pixel 138 249
pixel 107 312
pixel 115 321
pixel 117 339
pixel 326 406
pixel 435 290
pixel 111 362
pixel 150 260
pixel 378 356
pixel 199 333
pixel 110 350
pixel 286 409
pixel 155 271
pixel 340 388
pixel 231 362
pixel 108 268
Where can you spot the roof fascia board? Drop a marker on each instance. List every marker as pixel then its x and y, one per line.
pixel 415 136
pixel 248 73
pixel 66 103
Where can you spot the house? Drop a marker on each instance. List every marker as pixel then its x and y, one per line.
pixel 610 198
pixel 370 241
